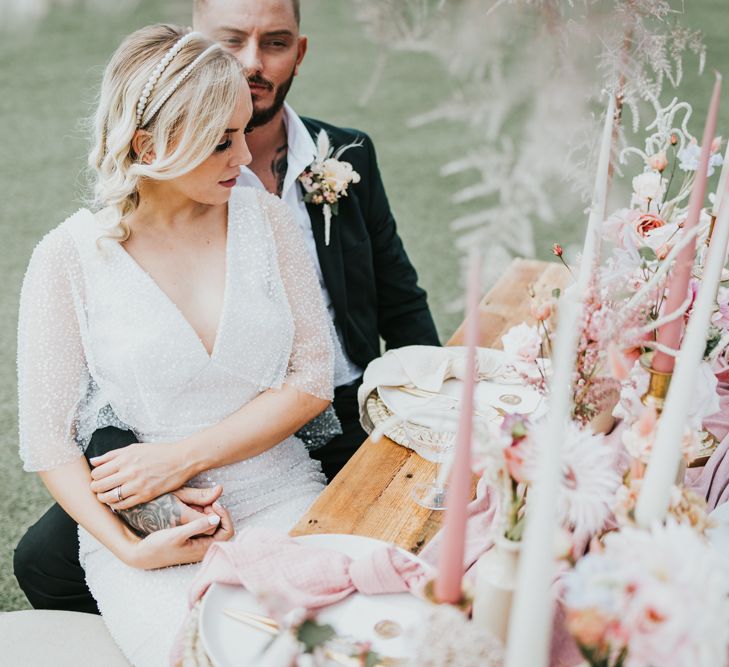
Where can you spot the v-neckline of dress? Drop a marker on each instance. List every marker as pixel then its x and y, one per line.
pixel 173 305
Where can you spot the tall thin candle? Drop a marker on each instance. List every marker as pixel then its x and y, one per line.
pixel 669 335
pixel 450 568
pixel 530 621
pixel 665 457
pixel 591 248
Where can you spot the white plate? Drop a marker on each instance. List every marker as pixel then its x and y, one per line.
pixel 230 643
pixel 489 397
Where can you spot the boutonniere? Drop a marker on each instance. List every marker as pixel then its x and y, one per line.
pixel 327 178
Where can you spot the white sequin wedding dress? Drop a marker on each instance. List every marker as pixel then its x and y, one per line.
pixel 100 343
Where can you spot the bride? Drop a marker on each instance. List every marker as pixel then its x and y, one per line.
pixel 186 309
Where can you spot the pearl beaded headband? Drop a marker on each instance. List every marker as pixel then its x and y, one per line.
pixel 144 118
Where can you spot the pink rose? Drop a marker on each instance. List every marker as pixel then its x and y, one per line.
pixel 618 227
pixel 659 161
pixel 587 626
pixel 541 310
pixel 647 222
pixel 514 457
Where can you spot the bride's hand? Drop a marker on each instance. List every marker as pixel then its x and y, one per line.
pixel 183 544
pixel 138 473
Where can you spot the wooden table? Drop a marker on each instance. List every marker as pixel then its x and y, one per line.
pixel 371 494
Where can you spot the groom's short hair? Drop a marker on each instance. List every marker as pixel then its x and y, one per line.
pixel 199 4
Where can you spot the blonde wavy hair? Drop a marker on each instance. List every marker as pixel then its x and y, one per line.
pixel 183 133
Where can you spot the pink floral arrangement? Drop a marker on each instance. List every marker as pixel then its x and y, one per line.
pixel 650 598
pixel 633 597
pixel 508 462
pixel 648 234
pixel 595 390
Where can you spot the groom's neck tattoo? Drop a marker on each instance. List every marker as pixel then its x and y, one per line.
pixel 162 512
pixel 279 166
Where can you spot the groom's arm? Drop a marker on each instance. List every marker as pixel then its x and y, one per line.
pixel 167 511
pixel 404 317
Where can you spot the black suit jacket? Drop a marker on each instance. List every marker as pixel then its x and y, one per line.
pixel 372 284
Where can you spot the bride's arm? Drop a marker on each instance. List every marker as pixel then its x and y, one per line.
pixel 52 382
pixel 146 472
pixel 69 485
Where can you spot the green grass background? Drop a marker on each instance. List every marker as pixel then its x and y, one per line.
pixel 47 80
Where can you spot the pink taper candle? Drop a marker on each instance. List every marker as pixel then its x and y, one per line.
pixel 669 335
pixel 450 568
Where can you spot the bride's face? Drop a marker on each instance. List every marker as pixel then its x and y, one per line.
pixel 211 182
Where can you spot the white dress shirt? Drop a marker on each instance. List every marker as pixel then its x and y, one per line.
pixel 301 153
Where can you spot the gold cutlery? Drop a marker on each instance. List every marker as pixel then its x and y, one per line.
pixel 269 626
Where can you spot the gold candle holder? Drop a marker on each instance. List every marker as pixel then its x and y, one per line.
pixel 464 604
pixel 706 449
pixel 657 385
pixel 711 231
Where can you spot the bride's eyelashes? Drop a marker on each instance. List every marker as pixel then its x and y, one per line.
pixel 224 146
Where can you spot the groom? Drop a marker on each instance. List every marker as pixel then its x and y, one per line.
pixel 366 278
pixel 367 281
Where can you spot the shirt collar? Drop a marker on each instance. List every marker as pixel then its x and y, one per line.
pixel 301 151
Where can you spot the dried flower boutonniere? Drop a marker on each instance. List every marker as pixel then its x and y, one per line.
pixel 327 178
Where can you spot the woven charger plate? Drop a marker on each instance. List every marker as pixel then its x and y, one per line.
pixel 379 413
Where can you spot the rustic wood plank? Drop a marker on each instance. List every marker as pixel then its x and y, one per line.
pixel 371 494
pixel 343 506
pixel 508 301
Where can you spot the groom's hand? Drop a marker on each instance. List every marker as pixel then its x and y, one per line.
pixel 173 509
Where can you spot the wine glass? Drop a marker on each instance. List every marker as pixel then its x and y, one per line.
pixel 431 433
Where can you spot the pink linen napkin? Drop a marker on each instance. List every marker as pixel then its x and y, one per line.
pixel 297 575
pixel 294 575
pixel 481 513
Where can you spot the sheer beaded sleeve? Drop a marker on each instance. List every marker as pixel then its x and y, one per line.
pixel 52 374
pixel 311 366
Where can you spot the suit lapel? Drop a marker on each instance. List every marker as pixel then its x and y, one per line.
pixel 330 256
pixel 330 259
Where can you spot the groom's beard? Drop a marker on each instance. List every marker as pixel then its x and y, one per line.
pixel 263 116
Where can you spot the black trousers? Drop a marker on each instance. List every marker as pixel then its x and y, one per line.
pixel 46 562
pixel 340 449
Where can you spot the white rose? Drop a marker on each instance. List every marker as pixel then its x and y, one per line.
pixel 660 239
pixel 522 342
pixel 648 187
pixel 337 174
